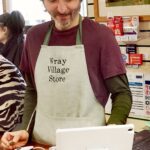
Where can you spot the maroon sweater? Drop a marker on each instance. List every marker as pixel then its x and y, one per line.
pixel 102 52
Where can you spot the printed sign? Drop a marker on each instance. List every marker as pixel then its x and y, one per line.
pixel 140 89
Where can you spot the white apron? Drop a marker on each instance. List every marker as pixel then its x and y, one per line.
pixel 65 95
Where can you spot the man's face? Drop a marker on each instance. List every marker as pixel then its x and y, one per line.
pixel 65 13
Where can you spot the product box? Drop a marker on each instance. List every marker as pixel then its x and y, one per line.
pixel 125 58
pixel 111 24
pixel 125 28
pixel 131 48
pixel 118 29
pixel 131 25
pixel 135 59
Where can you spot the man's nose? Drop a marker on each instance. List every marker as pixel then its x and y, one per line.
pixel 62 6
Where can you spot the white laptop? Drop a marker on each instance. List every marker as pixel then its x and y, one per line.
pixel 113 137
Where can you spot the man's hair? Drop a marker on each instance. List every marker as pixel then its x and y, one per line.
pixel 43 0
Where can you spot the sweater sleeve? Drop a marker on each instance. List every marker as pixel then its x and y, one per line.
pixel 30 102
pixel 121 99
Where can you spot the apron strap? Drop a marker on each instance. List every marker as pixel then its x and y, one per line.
pixel 78 37
pixel 48 35
pixel 79 32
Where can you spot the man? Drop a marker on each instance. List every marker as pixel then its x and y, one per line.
pixel 71 65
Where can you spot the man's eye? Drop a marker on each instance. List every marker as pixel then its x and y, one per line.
pixel 68 0
pixel 52 1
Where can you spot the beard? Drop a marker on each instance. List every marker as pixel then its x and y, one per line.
pixel 66 20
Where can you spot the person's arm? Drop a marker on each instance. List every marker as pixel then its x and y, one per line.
pixel 121 99
pixel 20 135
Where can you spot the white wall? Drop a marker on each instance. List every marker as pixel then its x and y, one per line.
pixel 34 11
pixel 1 8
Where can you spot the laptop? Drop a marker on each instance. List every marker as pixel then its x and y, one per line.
pixel 112 137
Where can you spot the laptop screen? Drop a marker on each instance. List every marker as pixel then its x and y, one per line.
pixel 113 137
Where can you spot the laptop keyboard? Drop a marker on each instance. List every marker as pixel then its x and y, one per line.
pixel 142 140
pixel 142 145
